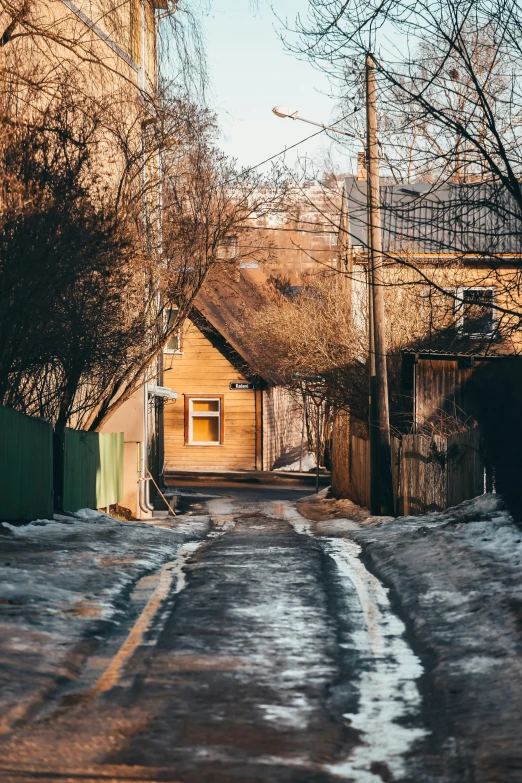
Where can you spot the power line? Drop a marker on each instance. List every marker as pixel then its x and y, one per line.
pixel 294 230
pixel 287 149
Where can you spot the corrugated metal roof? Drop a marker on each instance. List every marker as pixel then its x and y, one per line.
pixel 450 355
pixel 454 218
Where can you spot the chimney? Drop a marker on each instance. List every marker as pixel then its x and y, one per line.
pixel 361 165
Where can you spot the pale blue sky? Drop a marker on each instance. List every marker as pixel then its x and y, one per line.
pixel 250 72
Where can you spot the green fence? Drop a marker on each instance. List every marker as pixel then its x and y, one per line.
pixel 93 469
pixel 26 467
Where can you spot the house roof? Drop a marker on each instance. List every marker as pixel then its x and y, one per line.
pixel 224 302
pixel 452 218
pixel 451 356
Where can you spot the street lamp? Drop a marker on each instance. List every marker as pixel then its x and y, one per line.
pixel 380 444
pixel 286 111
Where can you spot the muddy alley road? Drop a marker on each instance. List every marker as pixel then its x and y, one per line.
pixel 265 654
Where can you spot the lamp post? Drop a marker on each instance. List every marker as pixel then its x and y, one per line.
pixel 380 445
pixel 380 440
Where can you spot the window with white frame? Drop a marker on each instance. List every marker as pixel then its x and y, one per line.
pixel 204 421
pixel 229 248
pixel 475 311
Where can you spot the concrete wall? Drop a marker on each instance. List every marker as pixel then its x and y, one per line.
pixel 129 419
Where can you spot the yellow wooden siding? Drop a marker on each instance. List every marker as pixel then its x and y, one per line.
pixel 150 43
pixel 135 30
pixel 202 369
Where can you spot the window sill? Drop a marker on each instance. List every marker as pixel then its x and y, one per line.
pixel 199 445
pixel 170 351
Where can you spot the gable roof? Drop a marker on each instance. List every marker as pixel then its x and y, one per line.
pixel 222 306
pixel 426 219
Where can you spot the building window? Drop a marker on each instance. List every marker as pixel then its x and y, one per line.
pixel 204 421
pixel 333 238
pixel 229 248
pixel 174 342
pixel 475 311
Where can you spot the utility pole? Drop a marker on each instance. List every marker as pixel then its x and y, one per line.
pixel 380 443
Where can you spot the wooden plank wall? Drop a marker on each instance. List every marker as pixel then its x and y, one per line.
pixel 429 474
pixel 282 428
pixel 396 451
pixel 341 455
pixel 202 369
pixel 440 390
pixel 360 471
pixel 422 475
pixel 465 468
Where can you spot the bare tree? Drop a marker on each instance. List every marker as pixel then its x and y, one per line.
pixel 450 104
pixel 207 209
pixel 68 266
pixel 100 264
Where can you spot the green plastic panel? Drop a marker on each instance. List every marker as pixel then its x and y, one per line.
pixel 93 465
pixel 26 467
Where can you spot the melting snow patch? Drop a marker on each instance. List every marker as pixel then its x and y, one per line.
pixel 293 716
pixel 388 693
pixel 387 688
pixel 178 567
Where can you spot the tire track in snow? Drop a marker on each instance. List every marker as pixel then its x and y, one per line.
pixel 170 571
pixel 387 686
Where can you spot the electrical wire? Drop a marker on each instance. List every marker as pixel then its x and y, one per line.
pixel 287 149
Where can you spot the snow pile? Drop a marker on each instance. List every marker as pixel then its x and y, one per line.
pixel 63 582
pixel 306 464
pixel 457 578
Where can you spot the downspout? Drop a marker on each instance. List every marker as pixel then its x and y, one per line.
pixel 161 427
pixel 144 498
pixel 143 494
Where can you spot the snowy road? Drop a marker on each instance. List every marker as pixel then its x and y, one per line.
pixel 257 652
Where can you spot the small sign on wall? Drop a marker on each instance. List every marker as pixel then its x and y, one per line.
pixel 241 385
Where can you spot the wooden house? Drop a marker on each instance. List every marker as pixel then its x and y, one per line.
pixel 451 265
pixel 227 416
pixel 451 257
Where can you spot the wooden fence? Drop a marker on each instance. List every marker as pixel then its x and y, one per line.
pixel 359 468
pixel 429 474
pixel 465 471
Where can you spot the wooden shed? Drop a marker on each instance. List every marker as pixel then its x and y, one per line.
pixel 436 390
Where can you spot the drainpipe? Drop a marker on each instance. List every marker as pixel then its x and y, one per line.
pixel 144 500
